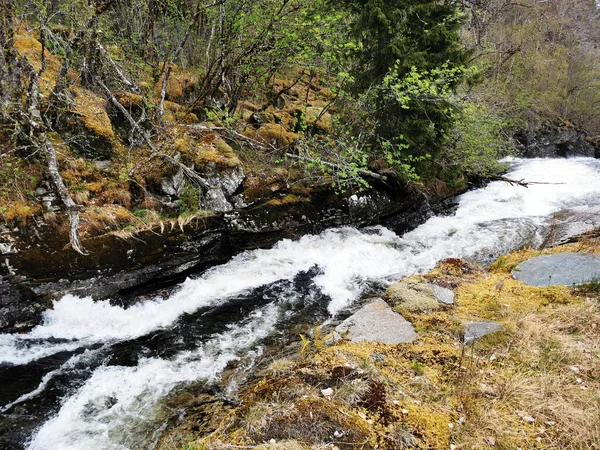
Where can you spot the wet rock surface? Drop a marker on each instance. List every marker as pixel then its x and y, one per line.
pixel 552 141
pixel 561 269
pixel 200 415
pixel 377 322
pixel 571 223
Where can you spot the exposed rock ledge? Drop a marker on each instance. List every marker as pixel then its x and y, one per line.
pixel 37 268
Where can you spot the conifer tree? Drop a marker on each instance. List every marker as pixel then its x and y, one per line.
pixel 401 38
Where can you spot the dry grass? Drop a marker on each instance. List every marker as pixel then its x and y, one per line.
pixel 103 219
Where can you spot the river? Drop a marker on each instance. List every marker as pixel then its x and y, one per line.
pixel 94 375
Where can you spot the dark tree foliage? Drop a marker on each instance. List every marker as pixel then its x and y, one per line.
pixel 401 35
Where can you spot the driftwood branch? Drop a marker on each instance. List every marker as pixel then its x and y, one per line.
pixel 513 182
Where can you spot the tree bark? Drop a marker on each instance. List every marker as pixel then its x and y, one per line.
pixel 38 138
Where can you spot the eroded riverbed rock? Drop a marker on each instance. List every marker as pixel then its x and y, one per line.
pixel 571 223
pixel 37 262
pixel 418 297
pixel 377 322
pixel 561 269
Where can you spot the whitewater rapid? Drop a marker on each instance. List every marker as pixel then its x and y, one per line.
pixel 100 412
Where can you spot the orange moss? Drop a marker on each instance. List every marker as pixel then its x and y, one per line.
pixel 208 149
pixel 287 200
pixel 274 134
pixel 129 99
pixel 18 211
pixel 179 82
pixel 172 106
pixel 91 108
pixel 27 45
pixel 180 118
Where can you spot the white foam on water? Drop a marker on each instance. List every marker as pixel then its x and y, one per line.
pixel 117 406
pixel 489 221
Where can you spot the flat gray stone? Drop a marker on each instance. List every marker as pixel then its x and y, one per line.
pixel 561 269
pixel 442 295
pixel 476 330
pixel 377 322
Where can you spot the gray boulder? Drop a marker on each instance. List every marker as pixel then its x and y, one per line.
pixel 476 330
pixel 377 322
pixel 561 269
pixel 442 295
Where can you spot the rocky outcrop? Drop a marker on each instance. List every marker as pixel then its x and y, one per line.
pixel 552 141
pixel 37 268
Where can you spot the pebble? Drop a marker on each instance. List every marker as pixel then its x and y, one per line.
pixel 528 419
pixel 327 392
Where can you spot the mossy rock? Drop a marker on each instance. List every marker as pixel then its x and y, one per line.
pixel 87 126
pixel 129 100
pixel 275 135
pixel 412 296
pixel 27 45
pixel 320 121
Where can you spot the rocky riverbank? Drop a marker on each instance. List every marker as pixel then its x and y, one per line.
pixel 505 365
pixel 39 268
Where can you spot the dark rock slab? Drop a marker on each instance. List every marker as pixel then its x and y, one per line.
pixel 476 330
pixel 561 269
pixel 38 263
pixel 377 322
pixel 551 141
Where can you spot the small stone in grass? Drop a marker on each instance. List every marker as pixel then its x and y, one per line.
pixel 327 392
